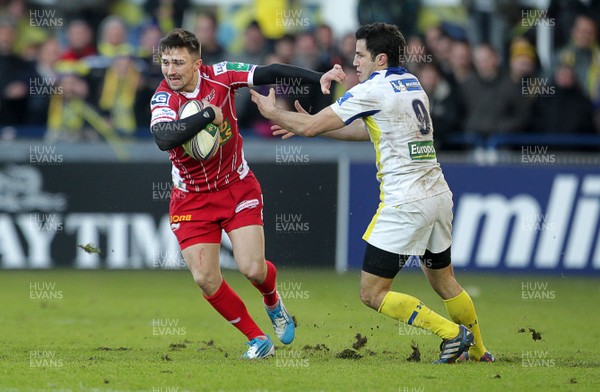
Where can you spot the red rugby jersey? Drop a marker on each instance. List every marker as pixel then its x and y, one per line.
pixel 217 85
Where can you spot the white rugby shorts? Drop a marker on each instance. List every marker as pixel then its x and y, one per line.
pixel 411 228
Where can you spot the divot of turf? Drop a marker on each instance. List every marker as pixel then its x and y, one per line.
pixel 89 248
pixel 360 341
pixel 348 354
pixel 210 344
pixel 415 356
pixel 535 335
pixel 103 348
pixel 316 347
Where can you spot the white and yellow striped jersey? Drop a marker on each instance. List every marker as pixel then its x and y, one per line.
pixel 395 110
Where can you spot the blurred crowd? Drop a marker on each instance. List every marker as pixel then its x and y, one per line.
pixel 87 70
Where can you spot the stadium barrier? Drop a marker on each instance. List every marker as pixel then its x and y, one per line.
pixel 506 217
pixel 531 212
pixel 493 142
pixel 115 215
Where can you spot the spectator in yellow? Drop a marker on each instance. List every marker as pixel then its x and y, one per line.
pixel 523 60
pixel 71 118
pixel 113 38
pixel 119 90
pixel 80 46
pixel 583 54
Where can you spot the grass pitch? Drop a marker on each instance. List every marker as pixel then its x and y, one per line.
pixel 66 330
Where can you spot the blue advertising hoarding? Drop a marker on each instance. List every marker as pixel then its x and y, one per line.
pixel 508 218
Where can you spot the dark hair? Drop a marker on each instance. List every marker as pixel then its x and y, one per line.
pixel 487 45
pixel 212 17
pixel 383 38
pixel 253 25
pixel 180 38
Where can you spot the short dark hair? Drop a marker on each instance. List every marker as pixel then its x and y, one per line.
pixel 180 38
pixel 383 38
pixel 211 16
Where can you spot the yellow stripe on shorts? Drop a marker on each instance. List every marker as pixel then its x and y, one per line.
pixel 373 222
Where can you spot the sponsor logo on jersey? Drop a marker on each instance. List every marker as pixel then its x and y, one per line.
pixel 175 226
pixel 421 150
pixel 181 218
pixel 411 84
pixel 220 68
pixel 347 95
pixel 210 96
pixel 238 67
pixel 246 204
pixel 160 99
pixel 163 113
pixel 403 85
pixel 225 131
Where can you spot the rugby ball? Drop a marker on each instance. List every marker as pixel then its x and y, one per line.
pixel 205 144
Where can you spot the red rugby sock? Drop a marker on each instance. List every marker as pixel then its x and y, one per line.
pixel 268 287
pixel 230 305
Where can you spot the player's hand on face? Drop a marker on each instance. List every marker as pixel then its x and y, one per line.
pixel 265 104
pixel 335 74
pixel 218 113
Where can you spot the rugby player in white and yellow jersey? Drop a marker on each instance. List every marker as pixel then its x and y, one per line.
pixel 390 108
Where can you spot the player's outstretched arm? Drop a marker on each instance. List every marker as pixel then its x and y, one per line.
pixel 303 124
pixel 272 73
pixel 355 131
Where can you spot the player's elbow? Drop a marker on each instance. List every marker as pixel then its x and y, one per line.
pixel 162 144
pixel 310 129
pixel 309 133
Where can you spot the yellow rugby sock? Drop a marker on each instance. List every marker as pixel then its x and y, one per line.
pixel 462 311
pixel 412 311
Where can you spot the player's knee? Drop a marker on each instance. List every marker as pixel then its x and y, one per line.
pixel 254 271
pixel 209 283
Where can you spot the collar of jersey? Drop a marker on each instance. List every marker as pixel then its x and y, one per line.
pixel 194 93
pixel 389 71
pixel 395 71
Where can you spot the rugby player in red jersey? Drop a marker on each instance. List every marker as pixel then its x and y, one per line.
pixel 220 193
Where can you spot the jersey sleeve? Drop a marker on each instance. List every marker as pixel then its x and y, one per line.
pixel 358 102
pixel 163 107
pixel 238 74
